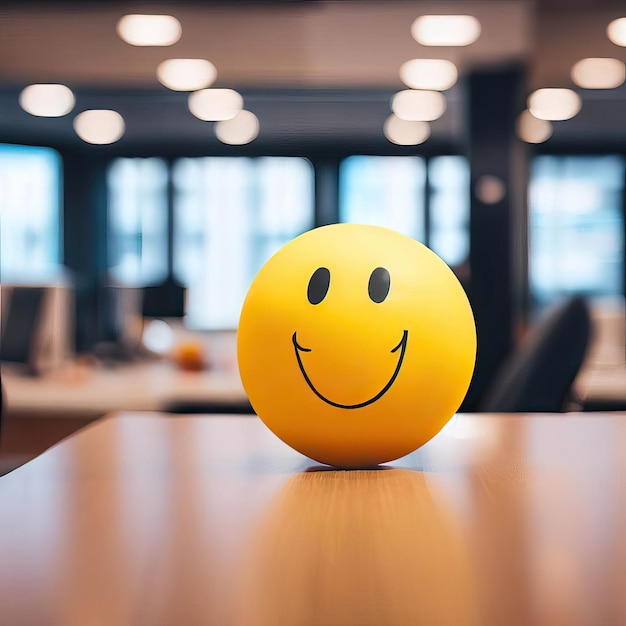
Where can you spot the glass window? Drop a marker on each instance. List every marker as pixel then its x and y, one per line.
pixel 138 221
pixel 30 214
pixel 391 192
pixel 576 226
pixel 230 215
pixel 448 178
pixel 384 191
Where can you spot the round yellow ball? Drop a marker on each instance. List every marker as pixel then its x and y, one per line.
pixel 356 344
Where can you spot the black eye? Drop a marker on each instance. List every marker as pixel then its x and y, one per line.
pixel 379 284
pixel 318 285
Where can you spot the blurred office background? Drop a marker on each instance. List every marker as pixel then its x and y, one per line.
pixel 339 121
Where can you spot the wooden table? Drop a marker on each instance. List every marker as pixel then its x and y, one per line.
pixel 149 520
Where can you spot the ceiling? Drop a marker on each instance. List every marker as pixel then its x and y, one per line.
pixel 312 71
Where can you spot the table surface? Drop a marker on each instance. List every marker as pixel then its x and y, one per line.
pixel 154 520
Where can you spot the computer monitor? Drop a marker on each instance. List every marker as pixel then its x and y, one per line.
pixel 166 300
pixel 21 326
pixel 36 326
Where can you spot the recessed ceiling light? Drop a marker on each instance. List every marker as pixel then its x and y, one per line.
pixel 418 106
pixel 446 30
pixel 47 100
pixel 241 129
pixel 531 129
pixel 616 31
pixel 596 73
pixel 186 74
pixel 149 30
pixel 438 74
pixel 215 105
pixel 99 126
pixel 405 133
pixel 554 104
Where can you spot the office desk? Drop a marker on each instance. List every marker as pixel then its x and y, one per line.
pixel 144 386
pixel 603 387
pixel 152 520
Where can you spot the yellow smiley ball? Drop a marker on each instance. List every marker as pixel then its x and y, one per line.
pixel 356 344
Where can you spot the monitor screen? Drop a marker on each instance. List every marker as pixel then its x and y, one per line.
pixel 164 300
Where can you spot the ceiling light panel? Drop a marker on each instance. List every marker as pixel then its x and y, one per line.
pixel 598 73
pixel 186 74
pixel 554 104
pixel 47 100
pixel 99 126
pixel 149 30
pixel 531 129
pixel 241 129
pixel 418 106
pixel 616 31
pixel 437 74
pixel 215 105
pixel 446 30
pixel 404 132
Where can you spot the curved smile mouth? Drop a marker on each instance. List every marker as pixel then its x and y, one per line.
pixel 401 346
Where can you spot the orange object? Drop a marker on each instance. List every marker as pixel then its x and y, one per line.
pixel 189 356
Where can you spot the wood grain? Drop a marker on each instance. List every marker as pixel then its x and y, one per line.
pixel 152 520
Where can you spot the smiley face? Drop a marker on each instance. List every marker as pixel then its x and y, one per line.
pixel 356 344
pixel 401 346
pixel 378 289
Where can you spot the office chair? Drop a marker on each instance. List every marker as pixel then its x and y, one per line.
pixel 538 376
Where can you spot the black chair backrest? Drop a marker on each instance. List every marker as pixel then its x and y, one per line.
pixel 538 377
